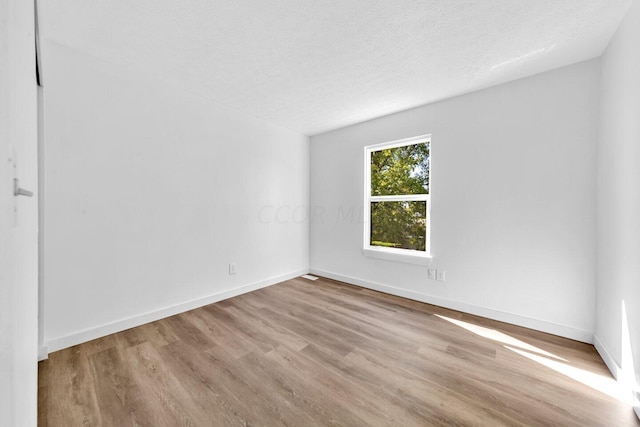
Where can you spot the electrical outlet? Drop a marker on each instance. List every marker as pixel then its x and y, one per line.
pixel 432 274
pixel 440 275
pixel 232 268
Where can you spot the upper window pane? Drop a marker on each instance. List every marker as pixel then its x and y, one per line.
pixel 400 170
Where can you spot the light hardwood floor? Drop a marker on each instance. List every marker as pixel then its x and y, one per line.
pixel 305 353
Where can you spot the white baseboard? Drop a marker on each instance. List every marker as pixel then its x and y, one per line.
pixel 43 353
pixel 606 356
pixel 60 343
pixel 616 370
pixel 515 319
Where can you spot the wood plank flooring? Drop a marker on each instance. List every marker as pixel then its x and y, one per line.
pixel 305 353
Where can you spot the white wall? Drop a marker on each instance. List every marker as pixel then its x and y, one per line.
pixel 151 193
pixel 618 214
pixel 513 191
pixel 18 230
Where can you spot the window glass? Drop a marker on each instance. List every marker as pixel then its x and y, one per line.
pixel 401 225
pixel 400 170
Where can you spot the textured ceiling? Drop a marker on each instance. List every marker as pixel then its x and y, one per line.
pixel 314 66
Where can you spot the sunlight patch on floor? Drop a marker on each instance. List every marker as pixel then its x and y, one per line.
pixel 498 336
pixel 601 383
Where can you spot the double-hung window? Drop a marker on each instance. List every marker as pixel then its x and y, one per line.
pixel 397 200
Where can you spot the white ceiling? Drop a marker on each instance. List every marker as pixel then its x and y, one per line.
pixel 313 65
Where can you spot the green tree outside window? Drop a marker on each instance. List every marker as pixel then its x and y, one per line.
pixel 399 171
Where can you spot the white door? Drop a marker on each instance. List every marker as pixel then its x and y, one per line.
pixel 18 216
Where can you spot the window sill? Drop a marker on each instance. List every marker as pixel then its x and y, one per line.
pixel 399 256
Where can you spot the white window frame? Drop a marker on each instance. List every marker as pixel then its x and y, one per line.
pixel 395 254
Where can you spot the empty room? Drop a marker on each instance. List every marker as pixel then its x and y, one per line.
pixel 313 213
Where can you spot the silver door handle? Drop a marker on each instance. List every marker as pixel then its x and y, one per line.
pixel 17 191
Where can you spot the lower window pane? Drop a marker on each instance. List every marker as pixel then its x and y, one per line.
pixel 401 225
